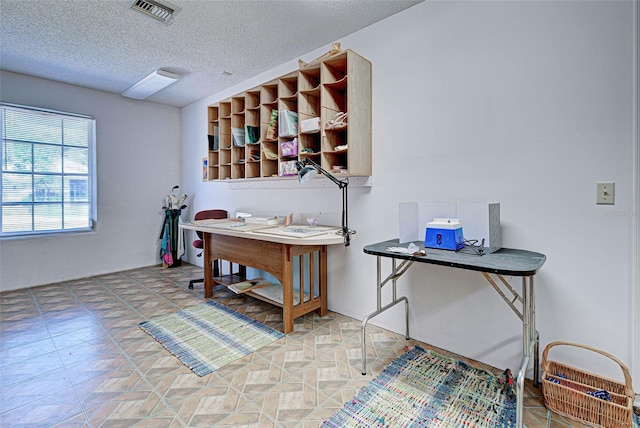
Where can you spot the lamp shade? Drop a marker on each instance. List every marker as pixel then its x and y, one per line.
pixel 306 174
pixel 151 84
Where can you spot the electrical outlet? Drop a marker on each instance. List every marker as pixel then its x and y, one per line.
pixel 606 192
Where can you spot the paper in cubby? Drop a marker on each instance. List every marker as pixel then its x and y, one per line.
pixel 213 139
pixel 272 130
pixel 238 137
pixel 289 148
pixel 248 285
pixel 288 168
pixel 252 134
pixel 287 123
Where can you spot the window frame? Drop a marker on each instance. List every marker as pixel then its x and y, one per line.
pixel 91 175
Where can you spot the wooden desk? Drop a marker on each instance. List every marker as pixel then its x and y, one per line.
pixel 272 250
pixel 510 262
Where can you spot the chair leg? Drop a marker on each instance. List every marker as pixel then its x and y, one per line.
pixel 216 268
pixel 194 281
pixel 216 272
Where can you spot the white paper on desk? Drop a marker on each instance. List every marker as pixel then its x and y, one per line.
pixel 408 227
pixel 412 248
pixel 210 221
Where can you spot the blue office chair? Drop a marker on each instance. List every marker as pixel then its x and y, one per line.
pixel 199 244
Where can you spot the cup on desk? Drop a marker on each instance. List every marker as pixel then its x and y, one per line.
pixel 310 218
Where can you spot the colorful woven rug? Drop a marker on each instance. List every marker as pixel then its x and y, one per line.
pixel 208 336
pixel 424 389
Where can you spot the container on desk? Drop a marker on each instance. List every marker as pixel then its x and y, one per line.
pixel 444 234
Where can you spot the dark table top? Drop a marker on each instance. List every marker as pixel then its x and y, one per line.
pixel 506 261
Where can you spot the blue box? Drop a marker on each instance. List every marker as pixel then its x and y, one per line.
pixel 444 239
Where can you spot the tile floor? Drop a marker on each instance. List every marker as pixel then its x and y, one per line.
pixel 71 355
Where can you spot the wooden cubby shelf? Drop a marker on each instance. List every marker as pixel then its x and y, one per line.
pixel 318 91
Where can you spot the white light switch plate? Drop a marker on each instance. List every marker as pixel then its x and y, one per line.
pixel 606 191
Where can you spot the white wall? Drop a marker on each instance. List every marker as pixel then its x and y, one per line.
pixel 524 103
pixel 138 162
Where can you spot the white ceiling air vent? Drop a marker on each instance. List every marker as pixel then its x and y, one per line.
pixel 163 11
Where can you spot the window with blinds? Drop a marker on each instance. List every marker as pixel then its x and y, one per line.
pixel 48 183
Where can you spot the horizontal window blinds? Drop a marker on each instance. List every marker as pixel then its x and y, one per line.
pixel 47 171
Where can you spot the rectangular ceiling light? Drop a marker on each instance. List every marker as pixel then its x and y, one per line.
pixel 151 84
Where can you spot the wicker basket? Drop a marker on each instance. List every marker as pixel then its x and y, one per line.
pixel 565 392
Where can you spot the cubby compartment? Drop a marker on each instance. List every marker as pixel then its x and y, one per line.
pixel 237 162
pixel 252 169
pixel 253 158
pixel 288 86
pixel 309 143
pixel 269 168
pixel 309 104
pixel 269 93
pixel 335 140
pixel 316 157
pixel 237 155
pixel 252 100
pixel 225 156
pixel 213 130
pixel 237 104
pixel 212 113
pixel 213 158
pixel 237 130
pixel 336 162
pixel 225 110
pixel 212 162
pixel 225 172
pixel 252 117
pixel 225 164
pixel 290 104
pixel 225 133
pixel 288 93
pixel 335 69
pixel 333 101
pixel 309 78
pixel 237 120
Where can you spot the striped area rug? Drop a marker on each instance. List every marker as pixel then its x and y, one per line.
pixel 208 336
pixel 424 389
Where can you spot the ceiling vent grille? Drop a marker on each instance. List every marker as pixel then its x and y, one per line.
pixel 161 10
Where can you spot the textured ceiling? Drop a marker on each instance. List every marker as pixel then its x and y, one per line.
pixel 103 44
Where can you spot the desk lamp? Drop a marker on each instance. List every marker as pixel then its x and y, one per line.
pixel 308 169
